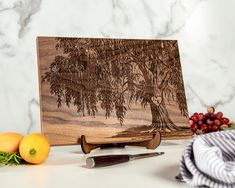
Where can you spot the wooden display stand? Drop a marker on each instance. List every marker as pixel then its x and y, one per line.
pixel 150 142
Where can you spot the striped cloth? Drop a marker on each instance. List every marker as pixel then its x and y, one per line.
pixel 209 160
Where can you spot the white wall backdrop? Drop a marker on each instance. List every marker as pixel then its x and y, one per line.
pixel 205 30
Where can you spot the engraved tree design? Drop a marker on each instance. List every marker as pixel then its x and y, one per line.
pixel 116 73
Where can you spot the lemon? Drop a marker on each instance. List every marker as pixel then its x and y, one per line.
pixel 34 148
pixel 9 141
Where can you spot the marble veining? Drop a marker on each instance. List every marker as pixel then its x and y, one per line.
pixel 204 29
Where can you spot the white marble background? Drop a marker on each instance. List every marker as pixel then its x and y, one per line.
pixel 205 30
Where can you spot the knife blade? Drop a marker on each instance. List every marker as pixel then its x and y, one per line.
pixel 108 160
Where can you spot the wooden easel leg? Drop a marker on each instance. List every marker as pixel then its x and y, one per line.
pixel 86 147
pixel 149 144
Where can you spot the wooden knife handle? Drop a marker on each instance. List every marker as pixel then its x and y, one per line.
pixel 101 161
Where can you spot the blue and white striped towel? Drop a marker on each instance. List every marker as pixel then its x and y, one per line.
pixel 209 160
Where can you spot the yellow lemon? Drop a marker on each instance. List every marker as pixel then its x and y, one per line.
pixel 34 148
pixel 9 141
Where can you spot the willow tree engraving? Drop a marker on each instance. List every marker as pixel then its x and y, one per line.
pixel 114 73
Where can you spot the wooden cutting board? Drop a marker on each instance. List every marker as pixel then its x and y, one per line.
pixel 111 90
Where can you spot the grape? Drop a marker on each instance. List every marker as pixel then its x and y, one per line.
pixel 194 118
pixel 195 125
pixel 204 128
pixel 211 116
pixel 201 116
pixel 199 122
pixel 224 120
pixel 195 114
pixel 219 115
pixel 194 128
pixel 214 127
pixel 204 125
pixel 217 122
pixel 209 122
pixel 192 125
pixel 207 115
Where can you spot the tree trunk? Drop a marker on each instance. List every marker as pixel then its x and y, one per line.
pixel 160 118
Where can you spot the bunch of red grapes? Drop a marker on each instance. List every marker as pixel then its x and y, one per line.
pixel 208 122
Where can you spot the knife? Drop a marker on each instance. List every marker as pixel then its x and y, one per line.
pixel 108 160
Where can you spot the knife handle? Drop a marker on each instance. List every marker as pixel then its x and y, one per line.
pixel 107 160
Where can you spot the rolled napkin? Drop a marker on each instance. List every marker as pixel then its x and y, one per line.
pixel 209 160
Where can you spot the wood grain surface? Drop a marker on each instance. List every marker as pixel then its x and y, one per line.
pixel 111 90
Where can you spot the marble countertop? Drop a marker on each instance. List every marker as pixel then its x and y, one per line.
pixel 65 167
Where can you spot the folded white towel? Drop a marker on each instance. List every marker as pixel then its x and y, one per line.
pixel 209 160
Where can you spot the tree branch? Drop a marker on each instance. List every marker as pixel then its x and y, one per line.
pixel 146 73
pixel 138 86
pixel 165 79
